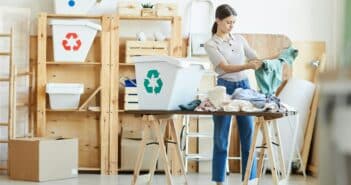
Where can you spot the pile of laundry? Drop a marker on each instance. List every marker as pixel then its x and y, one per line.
pixel 246 100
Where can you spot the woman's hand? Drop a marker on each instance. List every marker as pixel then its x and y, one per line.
pixel 254 64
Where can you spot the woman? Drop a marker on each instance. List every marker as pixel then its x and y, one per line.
pixel 228 53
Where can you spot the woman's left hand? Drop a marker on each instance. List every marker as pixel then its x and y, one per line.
pixel 257 63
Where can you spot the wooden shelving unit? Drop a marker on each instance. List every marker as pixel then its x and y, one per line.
pixel 92 128
pixel 97 129
pixel 123 69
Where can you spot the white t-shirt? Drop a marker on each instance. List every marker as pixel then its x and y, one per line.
pixel 235 50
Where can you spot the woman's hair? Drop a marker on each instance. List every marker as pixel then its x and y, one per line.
pixel 223 11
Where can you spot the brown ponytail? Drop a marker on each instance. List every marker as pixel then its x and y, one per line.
pixel 214 28
pixel 223 11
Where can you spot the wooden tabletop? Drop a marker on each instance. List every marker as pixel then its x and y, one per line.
pixel 266 115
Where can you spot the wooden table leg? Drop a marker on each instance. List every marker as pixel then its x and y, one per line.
pixel 251 154
pixel 178 153
pixel 160 139
pixel 153 164
pixel 267 137
pixel 157 154
pixel 261 156
pixel 280 152
pixel 139 160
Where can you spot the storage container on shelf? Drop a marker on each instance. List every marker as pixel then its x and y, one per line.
pixel 164 83
pixel 72 39
pixel 78 7
pixel 64 95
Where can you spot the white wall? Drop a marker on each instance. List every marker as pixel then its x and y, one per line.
pixel 300 20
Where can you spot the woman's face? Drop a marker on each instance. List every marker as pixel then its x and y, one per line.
pixel 226 25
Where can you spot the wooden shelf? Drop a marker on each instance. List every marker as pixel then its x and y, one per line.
pixel 88 169
pixel 126 64
pixel 67 16
pixel 3 141
pixel 4 79
pixel 72 63
pixel 147 18
pixel 5 35
pixel 69 110
pixel 5 53
pixel 3 124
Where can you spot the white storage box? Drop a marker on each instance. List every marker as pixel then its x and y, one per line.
pixel 165 82
pixel 73 6
pixel 64 95
pixel 72 39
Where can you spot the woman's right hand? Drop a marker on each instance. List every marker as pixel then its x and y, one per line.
pixel 254 64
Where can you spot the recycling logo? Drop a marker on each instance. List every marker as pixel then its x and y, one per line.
pixel 153 83
pixel 71 42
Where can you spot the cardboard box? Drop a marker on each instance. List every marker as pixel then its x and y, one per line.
pixel 129 154
pixel 43 159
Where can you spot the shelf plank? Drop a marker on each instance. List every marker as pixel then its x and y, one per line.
pixel 4 124
pixel 72 63
pixel 22 104
pixel 5 35
pixel 4 79
pixel 67 16
pixel 3 141
pixel 5 53
pixel 147 18
pixel 24 73
pixel 126 64
pixel 70 110
pixel 88 169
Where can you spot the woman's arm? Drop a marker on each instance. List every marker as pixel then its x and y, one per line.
pixel 231 68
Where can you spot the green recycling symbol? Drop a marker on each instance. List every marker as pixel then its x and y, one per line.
pixel 153 82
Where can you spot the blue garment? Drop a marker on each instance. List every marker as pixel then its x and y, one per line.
pixel 270 76
pixel 254 97
pixel 221 133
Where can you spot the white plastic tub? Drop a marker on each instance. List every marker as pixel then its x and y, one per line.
pixel 164 82
pixel 64 95
pixel 72 39
pixel 73 6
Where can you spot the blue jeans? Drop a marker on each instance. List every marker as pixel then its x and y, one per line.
pixel 221 132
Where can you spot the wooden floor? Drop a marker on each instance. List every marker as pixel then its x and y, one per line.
pixel 194 179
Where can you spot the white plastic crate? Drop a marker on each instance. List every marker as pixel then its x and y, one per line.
pixel 73 39
pixel 164 82
pixel 64 95
pixel 73 6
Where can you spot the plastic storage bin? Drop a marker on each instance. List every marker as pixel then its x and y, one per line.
pixel 73 39
pixel 73 6
pixel 164 83
pixel 64 95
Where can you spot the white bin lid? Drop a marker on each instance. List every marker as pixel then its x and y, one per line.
pixel 64 88
pixel 75 23
pixel 179 62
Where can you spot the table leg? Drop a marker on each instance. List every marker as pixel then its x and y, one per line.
pixel 163 150
pixel 271 157
pixel 139 160
pixel 251 154
pixel 178 153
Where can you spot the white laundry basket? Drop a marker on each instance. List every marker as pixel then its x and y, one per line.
pixel 73 39
pixel 73 6
pixel 64 95
pixel 164 82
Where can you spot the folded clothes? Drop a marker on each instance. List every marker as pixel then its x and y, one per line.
pixel 206 106
pixel 257 99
